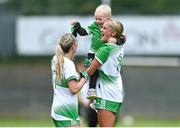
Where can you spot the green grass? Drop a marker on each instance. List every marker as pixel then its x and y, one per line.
pixel 18 122
pixel 150 123
pixel 48 123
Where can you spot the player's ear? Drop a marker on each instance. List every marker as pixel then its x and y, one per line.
pixel 113 34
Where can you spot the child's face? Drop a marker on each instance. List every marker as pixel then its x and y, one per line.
pixel 100 18
pixel 106 32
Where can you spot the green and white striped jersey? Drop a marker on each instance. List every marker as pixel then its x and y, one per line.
pixel 109 85
pixel 65 104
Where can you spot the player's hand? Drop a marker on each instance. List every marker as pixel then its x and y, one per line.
pixel 84 74
pixel 112 40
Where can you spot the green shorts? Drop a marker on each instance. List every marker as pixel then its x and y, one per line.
pixel 66 123
pixel 108 105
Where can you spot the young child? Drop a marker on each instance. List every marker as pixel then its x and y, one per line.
pixel 102 14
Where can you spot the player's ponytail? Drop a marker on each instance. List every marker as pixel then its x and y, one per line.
pixel 59 63
pixel 120 35
pixel 122 39
pixel 117 27
pixel 65 43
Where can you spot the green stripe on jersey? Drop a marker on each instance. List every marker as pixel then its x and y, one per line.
pixel 64 82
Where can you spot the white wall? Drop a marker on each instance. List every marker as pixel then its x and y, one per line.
pixel 146 35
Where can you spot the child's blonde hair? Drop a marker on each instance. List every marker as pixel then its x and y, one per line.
pixel 104 9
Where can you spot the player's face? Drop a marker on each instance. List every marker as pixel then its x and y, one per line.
pixel 75 46
pixel 106 32
pixel 100 19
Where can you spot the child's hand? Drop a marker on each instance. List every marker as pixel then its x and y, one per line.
pixel 112 40
pixel 75 27
pixel 74 22
pixel 87 62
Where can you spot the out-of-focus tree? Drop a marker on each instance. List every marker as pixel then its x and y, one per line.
pixel 54 7
pixel 87 7
pixel 150 7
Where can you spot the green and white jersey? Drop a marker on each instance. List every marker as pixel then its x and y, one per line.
pixel 65 104
pixel 96 41
pixel 109 85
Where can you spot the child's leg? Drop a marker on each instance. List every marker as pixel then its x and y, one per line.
pixel 93 78
pixel 92 81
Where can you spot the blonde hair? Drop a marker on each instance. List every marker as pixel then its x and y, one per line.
pixel 64 44
pixel 104 9
pixel 117 27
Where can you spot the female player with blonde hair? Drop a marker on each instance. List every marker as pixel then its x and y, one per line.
pixel 65 83
pixel 108 60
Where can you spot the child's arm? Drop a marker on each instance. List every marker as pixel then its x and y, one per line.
pixel 81 31
pixel 78 29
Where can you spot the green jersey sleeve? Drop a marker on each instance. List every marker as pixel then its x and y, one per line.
pixel 103 52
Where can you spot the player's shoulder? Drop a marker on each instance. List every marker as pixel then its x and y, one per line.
pixel 108 46
pixel 67 61
pixel 53 60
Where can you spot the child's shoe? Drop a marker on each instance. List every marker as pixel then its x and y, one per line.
pixel 91 94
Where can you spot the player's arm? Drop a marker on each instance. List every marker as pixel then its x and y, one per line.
pixel 118 41
pixel 74 83
pixel 93 67
pixel 100 58
pixel 75 86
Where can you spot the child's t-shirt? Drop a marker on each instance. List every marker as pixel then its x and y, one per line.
pixel 96 41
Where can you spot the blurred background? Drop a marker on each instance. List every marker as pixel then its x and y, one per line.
pixel 29 30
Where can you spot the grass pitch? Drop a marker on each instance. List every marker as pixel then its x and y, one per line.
pixel 18 122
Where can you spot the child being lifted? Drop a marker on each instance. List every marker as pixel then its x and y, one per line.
pixel 102 14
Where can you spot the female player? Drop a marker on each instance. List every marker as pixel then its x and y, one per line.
pixel 65 83
pixel 108 61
